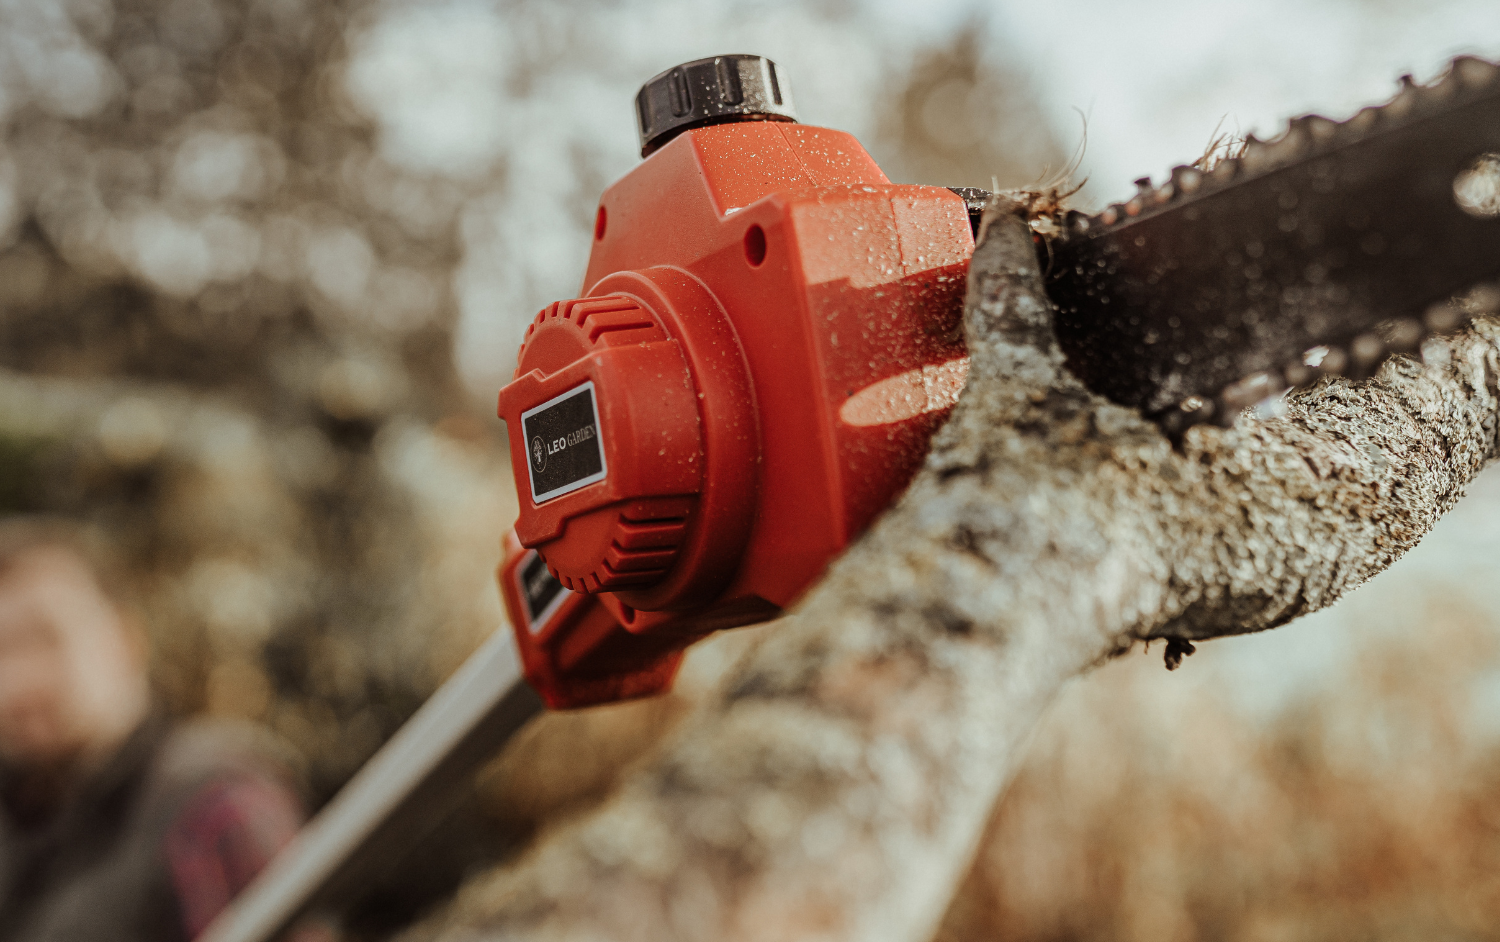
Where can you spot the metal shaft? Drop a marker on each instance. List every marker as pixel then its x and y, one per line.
pixel 396 798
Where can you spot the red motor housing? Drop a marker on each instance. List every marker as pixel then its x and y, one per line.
pixel 769 333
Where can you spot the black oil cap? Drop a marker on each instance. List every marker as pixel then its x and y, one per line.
pixel 710 91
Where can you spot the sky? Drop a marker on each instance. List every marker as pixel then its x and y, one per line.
pixel 1156 78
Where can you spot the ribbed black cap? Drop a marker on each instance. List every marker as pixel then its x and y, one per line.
pixel 710 91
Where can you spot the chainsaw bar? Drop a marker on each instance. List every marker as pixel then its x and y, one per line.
pixel 1325 250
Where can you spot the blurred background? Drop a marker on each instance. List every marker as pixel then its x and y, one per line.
pixel 264 264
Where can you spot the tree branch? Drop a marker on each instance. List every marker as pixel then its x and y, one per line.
pixel 835 787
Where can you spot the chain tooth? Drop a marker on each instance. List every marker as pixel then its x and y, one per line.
pixel 1482 299
pixel 1257 157
pixel 1444 87
pixel 1195 408
pixel 1443 317
pixel 1288 147
pixel 1362 123
pixel 1405 100
pixel 1472 72
pixel 1151 195
pixel 1335 361
pixel 1299 374
pixel 1293 141
pixel 1403 335
pixel 1225 171
pixel 1252 158
pixel 1186 180
pixel 1320 129
pixel 1252 389
pixel 1366 352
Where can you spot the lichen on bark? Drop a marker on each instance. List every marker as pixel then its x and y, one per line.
pixel 835 784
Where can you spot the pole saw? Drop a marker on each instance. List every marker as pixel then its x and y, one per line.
pixel 770 331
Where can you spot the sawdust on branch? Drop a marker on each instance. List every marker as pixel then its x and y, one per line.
pixel 835 785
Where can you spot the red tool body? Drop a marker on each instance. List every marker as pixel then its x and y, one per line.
pixel 769 333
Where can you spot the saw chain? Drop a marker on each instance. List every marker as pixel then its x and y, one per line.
pixel 1323 251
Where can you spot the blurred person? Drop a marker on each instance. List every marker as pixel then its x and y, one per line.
pixel 116 822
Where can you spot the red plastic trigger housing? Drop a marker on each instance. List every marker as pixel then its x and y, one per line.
pixel 769 334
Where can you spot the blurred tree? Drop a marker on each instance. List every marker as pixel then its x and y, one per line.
pixel 1360 809
pixel 227 330
pixel 225 338
pixel 965 116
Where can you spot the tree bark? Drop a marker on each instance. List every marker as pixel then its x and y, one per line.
pixel 834 787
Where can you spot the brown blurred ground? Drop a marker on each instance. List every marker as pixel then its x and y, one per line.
pixel 1335 779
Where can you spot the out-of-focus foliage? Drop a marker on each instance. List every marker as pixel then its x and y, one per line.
pixel 965 116
pixel 226 339
pixel 225 328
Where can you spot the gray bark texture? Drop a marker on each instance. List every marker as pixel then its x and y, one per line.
pixel 835 785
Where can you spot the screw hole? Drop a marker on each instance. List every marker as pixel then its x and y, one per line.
pixel 1476 189
pixel 755 246
pixel 599 223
